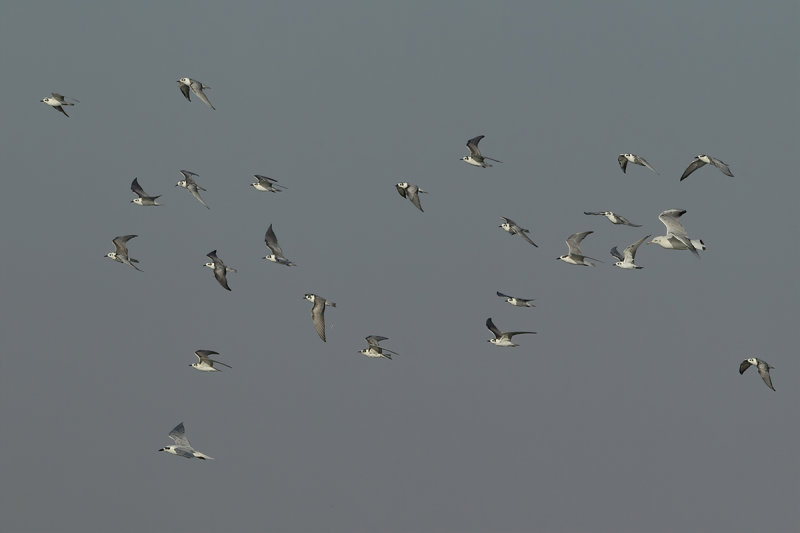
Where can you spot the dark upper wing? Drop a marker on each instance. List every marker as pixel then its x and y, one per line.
pixel 493 328
pixel 616 254
pixel 472 144
pixel 744 366
pixel 184 90
pixel 272 242
pixel 623 162
pixel 137 189
pixel 694 165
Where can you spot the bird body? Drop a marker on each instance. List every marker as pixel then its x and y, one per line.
pixel 512 228
pixel 574 255
pixel 503 338
pixel 762 366
pixel 182 446
pixel 475 157
pixel 318 312
pixel 188 84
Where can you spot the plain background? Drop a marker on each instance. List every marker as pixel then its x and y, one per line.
pixel 625 413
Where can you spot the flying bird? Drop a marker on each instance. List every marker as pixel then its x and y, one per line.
pixel 627 257
pixel 676 238
pixel 374 350
pixel 516 302
pixel 187 84
pixel 503 338
pixel 702 160
pixel 511 227
pixel 763 369
pixel 277 252
pixel 182 445
pixel 475 158
pixel 57 101
pixel 266 184
pixel 624 159
pixel 575 256
pixel 205 363
pixel 120 253
pixel 407 190
pixel 190 185
pixel 219 268
pixel 143 198
pixel 318 312
pixel 614 218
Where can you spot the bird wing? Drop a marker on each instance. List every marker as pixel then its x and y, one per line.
pixel 373 340
pixel 413 195
pixel 630 250
pixel 137 189
pixel 318 316
pixel 574 240
pixel 205 354
pixel 623 164
pixel 178 435
pixel 493 328
pixel 500 294
pixel 763 369
pixel 119 243
pixel 184 90
pixel 722 166
pixel 197 89
pixel 524 235
pixel 472 144
pixel 694 165
pixel 670 220
pixel 642 161
pixel 744 366
pixel 219 273
pixel 594 212
pixel 616 253
pixel 400 190
pixel 510 334
pixel 193 190
pixel 272 242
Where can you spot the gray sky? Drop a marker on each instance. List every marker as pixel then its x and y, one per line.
pixel 625 413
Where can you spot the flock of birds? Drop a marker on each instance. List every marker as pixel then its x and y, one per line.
pixel 675 238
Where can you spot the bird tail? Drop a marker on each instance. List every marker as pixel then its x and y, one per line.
pixel 698 244
pixel 201 455
pixel 332 304
pixel 492 159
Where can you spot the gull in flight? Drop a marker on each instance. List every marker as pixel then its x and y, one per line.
pixel 120 253
pixel 516 302
pixel 277 253
pixel 410 191
pixel 266 184
pixel 56 101
pixel 676 238
pixel 702 160
pixel 190 185
pixel 626 258
pixel 503 338
pixel 318 312
pixel 187 84
pixel 373 348
pixel 219 268
pixel 182 446
pixel 575 256
pixel 511 227
pixel 763 369
pixel 475 158
pixel 205 363
pixel 614 218
pixel 624 159
pixel 142 199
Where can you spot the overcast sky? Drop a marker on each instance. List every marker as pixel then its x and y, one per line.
pixel 625 413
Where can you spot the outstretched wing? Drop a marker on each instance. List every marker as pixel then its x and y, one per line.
pixel 272 242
